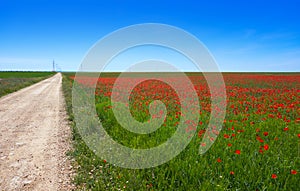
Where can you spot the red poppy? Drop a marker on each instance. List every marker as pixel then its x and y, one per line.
pixel 201 132
pixel 238 152
pixel 219 160
pixel 266 147
pixel 226 136
pixel 229 144
pixel 149 185
pixel 104 161
pixel 274 176
pixel 286 129
pixel 293 172
pixel 266 133
pixel 259 139
pixel 299 135
pixel 231 172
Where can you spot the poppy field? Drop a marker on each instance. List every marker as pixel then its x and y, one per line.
pixel 258 147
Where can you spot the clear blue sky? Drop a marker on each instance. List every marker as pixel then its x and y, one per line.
pixel 251 35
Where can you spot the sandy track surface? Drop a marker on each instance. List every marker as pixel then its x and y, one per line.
pixel 34 137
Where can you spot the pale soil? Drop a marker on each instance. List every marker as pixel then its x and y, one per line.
pixel 34 139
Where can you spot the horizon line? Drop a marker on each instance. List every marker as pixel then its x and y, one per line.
pixel 73 71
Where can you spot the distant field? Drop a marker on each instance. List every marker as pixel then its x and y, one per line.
pixel 142 74
pixel 24 74
pixel 257 149
pixel 13 81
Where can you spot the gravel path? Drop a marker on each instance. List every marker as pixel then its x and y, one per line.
pixel 34 137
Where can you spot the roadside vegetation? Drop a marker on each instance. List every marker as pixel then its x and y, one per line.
pixel 14 81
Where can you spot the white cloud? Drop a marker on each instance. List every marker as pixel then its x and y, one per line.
pixel 25 64
pixel 276 35
pixel 7 60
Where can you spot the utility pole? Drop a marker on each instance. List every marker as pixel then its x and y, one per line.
pixel 53 66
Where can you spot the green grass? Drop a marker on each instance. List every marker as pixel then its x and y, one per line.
pixel 24 74
pixel 13 81
pixel 220 168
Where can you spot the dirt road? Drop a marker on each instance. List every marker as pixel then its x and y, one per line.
pixel 34 136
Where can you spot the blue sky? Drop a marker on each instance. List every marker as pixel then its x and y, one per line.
pixel 241 35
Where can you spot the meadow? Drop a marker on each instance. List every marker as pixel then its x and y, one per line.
pixel 13 81
pixel 257 149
